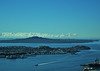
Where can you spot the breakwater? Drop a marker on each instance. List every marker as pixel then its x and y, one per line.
pixel 14 52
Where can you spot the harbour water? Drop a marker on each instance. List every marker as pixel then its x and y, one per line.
pixel 60 62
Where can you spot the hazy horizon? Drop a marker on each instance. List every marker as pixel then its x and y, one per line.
pixel 78 19
pixel 48 38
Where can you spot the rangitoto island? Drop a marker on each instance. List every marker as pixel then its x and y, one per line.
pixel 36 39
pixel 14 52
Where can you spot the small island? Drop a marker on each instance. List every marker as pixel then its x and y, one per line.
pixel 14 52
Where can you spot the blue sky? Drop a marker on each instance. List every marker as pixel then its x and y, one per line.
pixel 53 17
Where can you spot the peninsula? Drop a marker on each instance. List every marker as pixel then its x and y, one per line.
pixel 14 52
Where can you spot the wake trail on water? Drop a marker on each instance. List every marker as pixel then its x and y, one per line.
pixel 48 63
pixel 52 62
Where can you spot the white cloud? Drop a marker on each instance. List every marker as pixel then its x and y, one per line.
pixel 25 35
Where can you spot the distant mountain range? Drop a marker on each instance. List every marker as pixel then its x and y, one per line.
pixel 36 39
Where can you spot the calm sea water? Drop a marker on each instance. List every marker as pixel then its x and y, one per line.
pixel 61 62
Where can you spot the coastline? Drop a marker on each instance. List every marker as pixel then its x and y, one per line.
pixel 14 52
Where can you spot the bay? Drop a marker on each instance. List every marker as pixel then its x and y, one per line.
pixel 60 62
